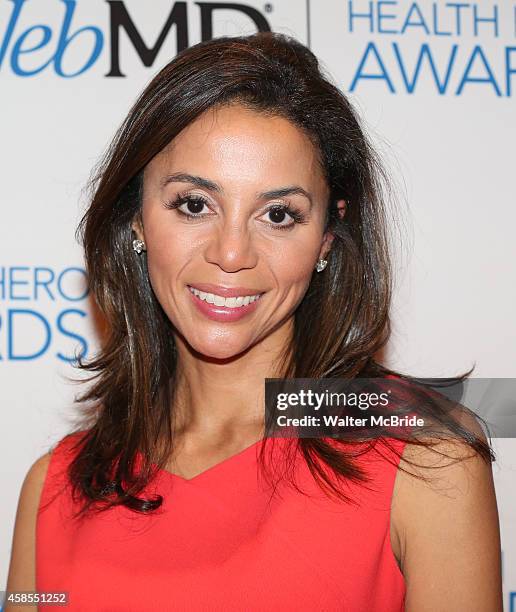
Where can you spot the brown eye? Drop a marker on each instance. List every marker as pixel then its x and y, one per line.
pixel 190 206
pixel 284 216
pixel 194 205
pixel 277 215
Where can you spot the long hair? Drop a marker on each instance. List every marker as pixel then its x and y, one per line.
pixel 340 325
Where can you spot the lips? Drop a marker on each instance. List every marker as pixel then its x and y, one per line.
pixel 226 302
pixel 222 313
pixel 226 291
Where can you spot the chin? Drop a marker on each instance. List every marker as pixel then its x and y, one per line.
pixel 221 348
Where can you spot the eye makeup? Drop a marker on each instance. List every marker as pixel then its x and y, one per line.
pixel 198 202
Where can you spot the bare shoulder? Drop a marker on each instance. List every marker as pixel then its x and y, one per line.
pixel 22 574
pixel 445 527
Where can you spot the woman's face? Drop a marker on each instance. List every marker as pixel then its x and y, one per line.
pixel 234 171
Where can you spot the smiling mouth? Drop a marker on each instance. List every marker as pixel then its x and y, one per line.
pixel 225 302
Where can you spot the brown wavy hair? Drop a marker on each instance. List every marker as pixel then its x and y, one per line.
pixel 340 325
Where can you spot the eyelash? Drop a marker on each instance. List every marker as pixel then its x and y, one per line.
pixel 295 213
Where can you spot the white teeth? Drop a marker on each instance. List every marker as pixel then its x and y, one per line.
pixel 218 300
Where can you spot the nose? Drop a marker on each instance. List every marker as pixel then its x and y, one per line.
pixel 231 248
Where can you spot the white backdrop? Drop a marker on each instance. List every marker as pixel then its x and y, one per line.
pixel 434 83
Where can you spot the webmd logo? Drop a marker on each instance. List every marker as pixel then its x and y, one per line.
pixel 69 47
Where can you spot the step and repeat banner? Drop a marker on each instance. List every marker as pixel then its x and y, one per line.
pixel 434 84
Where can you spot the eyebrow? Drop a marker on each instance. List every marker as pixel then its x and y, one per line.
pixel 199 181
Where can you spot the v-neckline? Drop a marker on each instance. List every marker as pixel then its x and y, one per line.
pixel 210 470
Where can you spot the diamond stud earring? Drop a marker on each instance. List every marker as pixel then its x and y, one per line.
pixel 321 264
pixel 138 245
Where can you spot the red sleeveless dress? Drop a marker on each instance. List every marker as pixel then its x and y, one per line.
pixel 220 542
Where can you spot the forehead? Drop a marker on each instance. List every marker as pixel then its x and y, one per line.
pixel 235 143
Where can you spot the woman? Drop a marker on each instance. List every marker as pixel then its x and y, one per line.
pixel 237 232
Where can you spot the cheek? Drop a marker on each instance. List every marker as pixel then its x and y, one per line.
pixel 292 262
pixel 168 252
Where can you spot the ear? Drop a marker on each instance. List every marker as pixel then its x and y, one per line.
pixel 137 228
pixel 328 236
pixel 326 244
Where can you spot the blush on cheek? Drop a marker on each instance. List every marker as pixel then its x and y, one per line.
pixel 296 268
pixel 161 278
pixel 293 278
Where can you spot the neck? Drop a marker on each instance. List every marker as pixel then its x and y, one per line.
pixel 224 398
